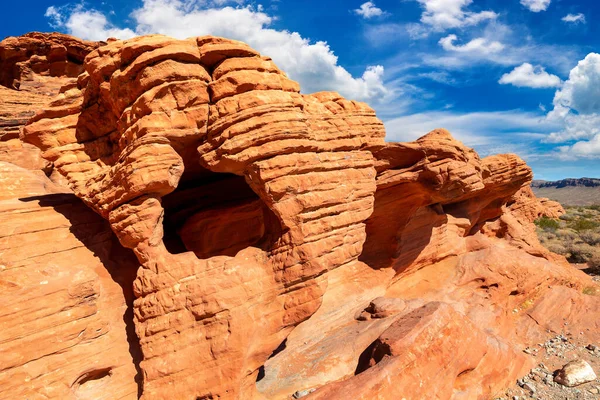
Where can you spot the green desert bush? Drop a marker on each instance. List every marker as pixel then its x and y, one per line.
pixel 547 224
pixel 583 224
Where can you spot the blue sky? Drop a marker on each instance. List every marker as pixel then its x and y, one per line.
pixel 516 76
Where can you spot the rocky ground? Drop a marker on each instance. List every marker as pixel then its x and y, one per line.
pixel 552 355
pixel 576 237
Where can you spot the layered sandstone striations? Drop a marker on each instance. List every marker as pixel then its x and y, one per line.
pixel 42 62
pixel 33 69
pixel 65 281
pixel 284 248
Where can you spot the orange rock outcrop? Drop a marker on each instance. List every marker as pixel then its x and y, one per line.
pixel 282 247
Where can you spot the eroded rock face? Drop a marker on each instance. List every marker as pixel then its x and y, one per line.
pixel 66 320
pixel 65 282
pixel 42 63
pixel 33 69
pixel 185 113
pixel 284 246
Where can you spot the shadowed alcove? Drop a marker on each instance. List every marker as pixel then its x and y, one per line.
pixel 215 214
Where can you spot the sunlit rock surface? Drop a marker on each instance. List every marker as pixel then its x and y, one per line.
pixel 279 244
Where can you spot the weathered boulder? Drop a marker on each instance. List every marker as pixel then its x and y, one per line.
pixel 575 373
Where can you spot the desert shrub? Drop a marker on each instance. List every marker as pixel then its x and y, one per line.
pixel 576 235
pixel 567 217
pixel 594 261
pixel 580 253
pixel 547 224
pixel 583 224
pixel 591 237
pixel 566 235
pixel 557 248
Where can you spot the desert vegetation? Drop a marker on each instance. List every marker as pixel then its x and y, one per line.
pixel 576 235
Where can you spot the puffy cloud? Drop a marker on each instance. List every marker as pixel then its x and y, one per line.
pixel 477 46
pixel 577 106
pixel 88 24
pixel 581 92
pixel 582 149
pixel 314 65
pixel 446 14
pixel 574 18
pixel 526 75
pixel 536 5
pixel 369 10
pixel 574 127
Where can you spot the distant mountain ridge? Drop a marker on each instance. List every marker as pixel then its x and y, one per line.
pixel 570 191
pixel 575 182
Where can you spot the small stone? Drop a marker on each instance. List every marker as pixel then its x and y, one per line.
pixel 530 387
pixel 591 347
pixel 520 382
pixel 594 391
pixel 302 393
pixel 575 373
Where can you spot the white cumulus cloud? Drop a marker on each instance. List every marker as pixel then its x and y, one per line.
pixel 369 10
pixel 581 92
pixel 313 64
pixel 577 106
pixel 574 18
pixel 87 24
pixel 536 5
pixel 477 46
pixel 448 14
pixel 526 75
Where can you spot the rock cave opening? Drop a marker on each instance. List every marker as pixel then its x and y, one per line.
pixel 214 214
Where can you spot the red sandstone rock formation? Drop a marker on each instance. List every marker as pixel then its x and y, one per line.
pixel 65 281
pixel 282 245
pixel 38 65
pixel 42 62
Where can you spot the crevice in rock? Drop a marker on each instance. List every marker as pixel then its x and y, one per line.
pixel 372 356
pixel 279 349
pixel 94 375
